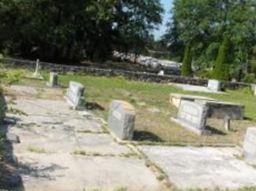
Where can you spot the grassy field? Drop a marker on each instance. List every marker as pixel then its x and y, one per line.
pixel 153 110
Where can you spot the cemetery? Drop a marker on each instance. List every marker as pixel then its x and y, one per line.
pixel 115 95
pixel 107 114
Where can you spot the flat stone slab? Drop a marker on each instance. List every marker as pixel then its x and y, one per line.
pixel 53 113
pixel 201 168
pixel 75 173
pixel 60 149
pixel 175 99
pixel 193 88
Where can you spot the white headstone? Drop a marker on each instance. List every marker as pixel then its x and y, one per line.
pixel 254 89
pixel 75 95
pixel 53 80
pixel 214 85
pixel 250 146
pixel 192 116
pixel 37 70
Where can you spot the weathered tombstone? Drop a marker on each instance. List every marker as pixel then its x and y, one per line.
pixel 53 80
pixel 75 94
pixel 121 119
pixel 192 116
pixel 250 146
pixel 214 85
pixel 37 71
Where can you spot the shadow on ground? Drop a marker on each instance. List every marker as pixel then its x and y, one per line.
pixel 94 106
pixel 146 136
pixel 10 178
pixel 215 131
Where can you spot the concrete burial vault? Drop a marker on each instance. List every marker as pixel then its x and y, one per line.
pixel 193 112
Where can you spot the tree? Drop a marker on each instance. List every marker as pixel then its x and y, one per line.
pixel 206 24
pixel 221 70
pixel 71 30
pixel 186 66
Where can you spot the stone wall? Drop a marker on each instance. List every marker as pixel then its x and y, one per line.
pixel 131 75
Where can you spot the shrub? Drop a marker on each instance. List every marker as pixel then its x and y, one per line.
pixel 221 68
pixel 204 74
pixel 187 61
pixel 249 78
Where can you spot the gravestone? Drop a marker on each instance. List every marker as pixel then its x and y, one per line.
pixel 121 119
pixel 53 80
pixel 175 99
pixel 214 85
pixel 75 95
pixel 192 116
pixel 37 74
pixel 250 146
pixel 253 86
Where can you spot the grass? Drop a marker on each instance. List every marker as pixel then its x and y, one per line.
pixel 153 111
pixel 156 126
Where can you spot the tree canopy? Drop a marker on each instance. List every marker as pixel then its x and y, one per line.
pixel 76 29
pixel 222 35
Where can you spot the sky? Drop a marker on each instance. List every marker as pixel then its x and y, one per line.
pixel 167 4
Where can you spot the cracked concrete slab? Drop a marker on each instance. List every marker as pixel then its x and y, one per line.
pixel 61 149
pixel 75 173
pixel 193 168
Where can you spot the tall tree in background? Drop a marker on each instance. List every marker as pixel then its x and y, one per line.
pixel 209 25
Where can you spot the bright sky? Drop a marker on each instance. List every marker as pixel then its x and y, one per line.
pixel 167 4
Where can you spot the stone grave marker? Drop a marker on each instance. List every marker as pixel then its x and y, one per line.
pixel 37 74
pixel 193 112
pixel 121 119
pixel 253 86
pixel 75 95
pixel 250 146
pixel 214 85
pixel 53 80
pixel 175 99
pixel 192 116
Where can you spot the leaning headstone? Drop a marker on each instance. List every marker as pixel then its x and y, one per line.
pixel 37 74
pixel 250 146
pixel 193 116
pixel 75 95
pixel 214 85
pixel 53 80
pixel 121 119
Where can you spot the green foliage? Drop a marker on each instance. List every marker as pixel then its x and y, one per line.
pixel 11 76
pixel 187 61
pixel 206 23
pixel 249 78
pixel 74 29
pixel 204 74
pixel 221 69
